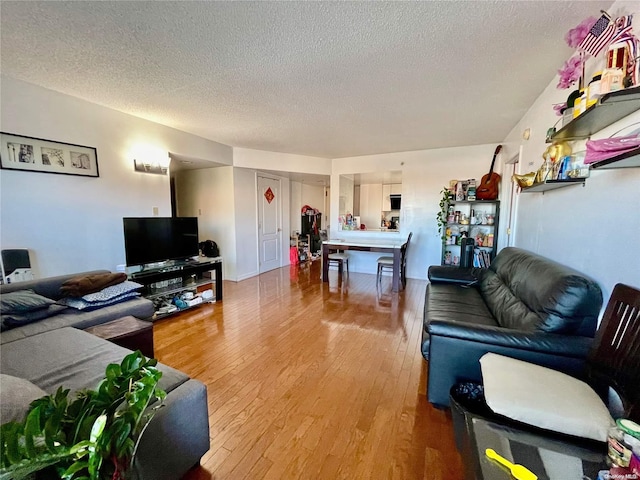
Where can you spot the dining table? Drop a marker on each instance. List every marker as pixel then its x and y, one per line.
pixel 380 245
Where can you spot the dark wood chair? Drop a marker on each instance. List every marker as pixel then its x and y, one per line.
pixel 614 359
pixel 386 263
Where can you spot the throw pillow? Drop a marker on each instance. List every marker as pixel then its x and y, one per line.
pixel 22 301
pixel 13 320
pixel 543 397
pixel 15 396
pixel 111 292
pixel 82 304
pixel 86 284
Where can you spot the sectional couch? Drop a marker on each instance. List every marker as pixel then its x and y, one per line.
pixel 50 353
pixel 524 306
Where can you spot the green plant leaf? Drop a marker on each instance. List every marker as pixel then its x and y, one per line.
pixel 73 469
pixel 31 430
pixel 11 438
pixel 113 371
pixel 97 428
pixel 95 461
pixel 120 438
pixel 80 447
pixel 57 431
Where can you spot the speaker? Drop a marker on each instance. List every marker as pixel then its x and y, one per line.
pixel 466 252
pixel 16 265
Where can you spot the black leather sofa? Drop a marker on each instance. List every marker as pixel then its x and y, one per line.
pixel 524 306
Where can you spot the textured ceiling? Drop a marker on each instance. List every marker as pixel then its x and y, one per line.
pixel 328 79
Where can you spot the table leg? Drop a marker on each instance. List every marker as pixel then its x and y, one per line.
pixel 218 269
pixel 396 269
pixel 325 263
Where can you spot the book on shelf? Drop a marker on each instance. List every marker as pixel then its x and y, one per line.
pixel 481 258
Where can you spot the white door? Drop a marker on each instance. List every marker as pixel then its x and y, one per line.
pixel 509 204
pixel 269 223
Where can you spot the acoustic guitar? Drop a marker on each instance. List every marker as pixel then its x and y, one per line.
pixel 488 188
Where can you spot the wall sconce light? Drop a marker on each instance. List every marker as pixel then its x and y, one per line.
pixel 150 167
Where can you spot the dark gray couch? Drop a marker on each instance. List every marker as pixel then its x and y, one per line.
pixel 50 287
pixel 49 353
pixel 524 306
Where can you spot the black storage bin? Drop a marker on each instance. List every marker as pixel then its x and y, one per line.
pixel 466 398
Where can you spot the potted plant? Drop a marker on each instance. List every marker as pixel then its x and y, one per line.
pixel 92 437
pixel 441 217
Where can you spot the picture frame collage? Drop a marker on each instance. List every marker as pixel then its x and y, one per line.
pixel 18 152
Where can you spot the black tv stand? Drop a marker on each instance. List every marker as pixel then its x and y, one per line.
pixel 162 282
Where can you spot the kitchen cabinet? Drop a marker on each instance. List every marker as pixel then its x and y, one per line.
pixel 388 190
pixel 371 204
pixel 477 220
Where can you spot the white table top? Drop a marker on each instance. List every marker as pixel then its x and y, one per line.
pixel 364 242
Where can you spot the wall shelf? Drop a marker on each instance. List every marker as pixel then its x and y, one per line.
pixel 611 108
pixel 553 185
pixel 625 160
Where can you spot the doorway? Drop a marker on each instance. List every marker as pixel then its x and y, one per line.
pixel 269 223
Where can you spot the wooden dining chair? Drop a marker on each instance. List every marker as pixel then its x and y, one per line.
pixel 614 359
pixel 386 263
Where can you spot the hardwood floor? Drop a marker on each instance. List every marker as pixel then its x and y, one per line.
pixel 313 381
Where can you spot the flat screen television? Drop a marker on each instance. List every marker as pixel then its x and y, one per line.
pixel 156 239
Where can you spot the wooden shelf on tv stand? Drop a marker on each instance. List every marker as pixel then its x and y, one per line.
pixel 194 275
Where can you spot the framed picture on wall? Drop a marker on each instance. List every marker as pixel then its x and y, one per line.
pixel 39 155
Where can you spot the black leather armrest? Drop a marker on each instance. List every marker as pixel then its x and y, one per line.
pixel 450 274
pixel 565 345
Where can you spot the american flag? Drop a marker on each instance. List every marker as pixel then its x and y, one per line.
pixel 599 36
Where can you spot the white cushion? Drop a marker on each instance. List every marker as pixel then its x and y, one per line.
pixel 543 397
pixel 386 260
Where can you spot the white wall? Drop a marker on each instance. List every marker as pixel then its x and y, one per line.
pixel 245 191
pixel 225 201
pixel 283 162
pixel 345 196
pixel 424 174
pixel 71 223
pixel 294 207
pixel 594 228
pixel 209 195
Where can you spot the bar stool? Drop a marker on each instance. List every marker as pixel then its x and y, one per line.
pixel 341 259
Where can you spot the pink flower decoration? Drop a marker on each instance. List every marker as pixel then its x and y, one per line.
pixel 559 107
pixel 570 72
pixel 575 36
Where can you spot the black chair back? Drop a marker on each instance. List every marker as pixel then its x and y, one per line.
pixel 614 359
pixel 403 260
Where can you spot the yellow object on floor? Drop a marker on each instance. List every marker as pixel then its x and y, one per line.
pixel 519 472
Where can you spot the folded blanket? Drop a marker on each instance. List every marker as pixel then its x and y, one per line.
pixel 85 284
pixel 107 296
